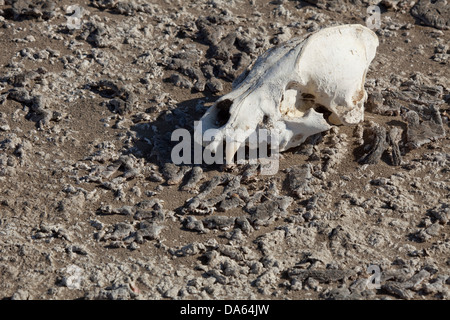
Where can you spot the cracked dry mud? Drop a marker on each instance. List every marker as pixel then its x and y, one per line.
pixel 91 206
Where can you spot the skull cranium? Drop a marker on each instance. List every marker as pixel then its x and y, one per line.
pixel 289 84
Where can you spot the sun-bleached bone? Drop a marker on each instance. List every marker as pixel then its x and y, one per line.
pixel 326 70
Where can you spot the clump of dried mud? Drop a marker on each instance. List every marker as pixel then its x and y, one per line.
pixel 92 207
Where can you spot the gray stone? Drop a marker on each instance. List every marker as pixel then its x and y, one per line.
pixel 424 125
pixel 376 142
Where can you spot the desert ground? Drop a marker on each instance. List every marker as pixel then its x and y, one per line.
pixel 92 207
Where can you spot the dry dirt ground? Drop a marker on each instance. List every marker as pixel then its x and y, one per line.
pixel 91 206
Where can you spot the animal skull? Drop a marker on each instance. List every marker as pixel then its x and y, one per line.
pixel 288 83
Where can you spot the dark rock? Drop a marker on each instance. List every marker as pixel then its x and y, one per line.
pixel 208 33
pixel 121 231
pixel 230 203
pixel 441 213
pixel 214 85
pixel 196 174
pixel 393 138
pixel 149 215
pixel 39 9
pixel 250 173
pixel 148 231
pixel 424 125
pixel 267 211
pixel 191 223
pixel 397 290
pixel 375 102
pixel 341 294
pixel 99 37
pixel 298 180
pixel 20 95
pixel 122 7
pixel 223 50
pixel 327 275
pixel 181 81
pixel 246 43
pixel 200 85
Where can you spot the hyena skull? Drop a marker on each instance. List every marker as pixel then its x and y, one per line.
pixel 291 87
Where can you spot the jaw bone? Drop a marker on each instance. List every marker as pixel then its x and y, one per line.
pixel 324 70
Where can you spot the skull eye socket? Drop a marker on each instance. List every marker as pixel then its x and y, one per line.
pixel 223 114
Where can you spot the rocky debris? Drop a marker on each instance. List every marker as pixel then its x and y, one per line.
pixel 214 85
pixel 424 125
pixel 34 9
pixel 333 154
pixel 26 79
pixel 39 107
pixel 397 5
pixel 441 53
pixel 3 98
pixel 263 206
pixel 180 81
pixel 437 287
pixel 174 174
pixel 128 8
pixel 376 104
pixel 423 95
pixel 191 249
pixel 4 126
pixel 98 35
pixel 183 63
pixel 200 204
pixel 219 222
pixel 249 173
pixel 299 180
pixel 148 231
pixel 130 166
pixel 344 293
pixel 393 138
pixel 149 219
pixel 323 276
pixel 397 290
pixel 85 134
pixel 402 289
pixel 375 143
pixel 47 232
pixel 113 292
pixel 433 13
pixel 309 147
pixel 227 55
pixel 330 5
pixel 423 115
pixel 268 205
pixel 441 213
pixel 195 176
pixel 191 223
pixel 122 100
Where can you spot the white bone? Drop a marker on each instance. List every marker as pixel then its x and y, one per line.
pixel 326 68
